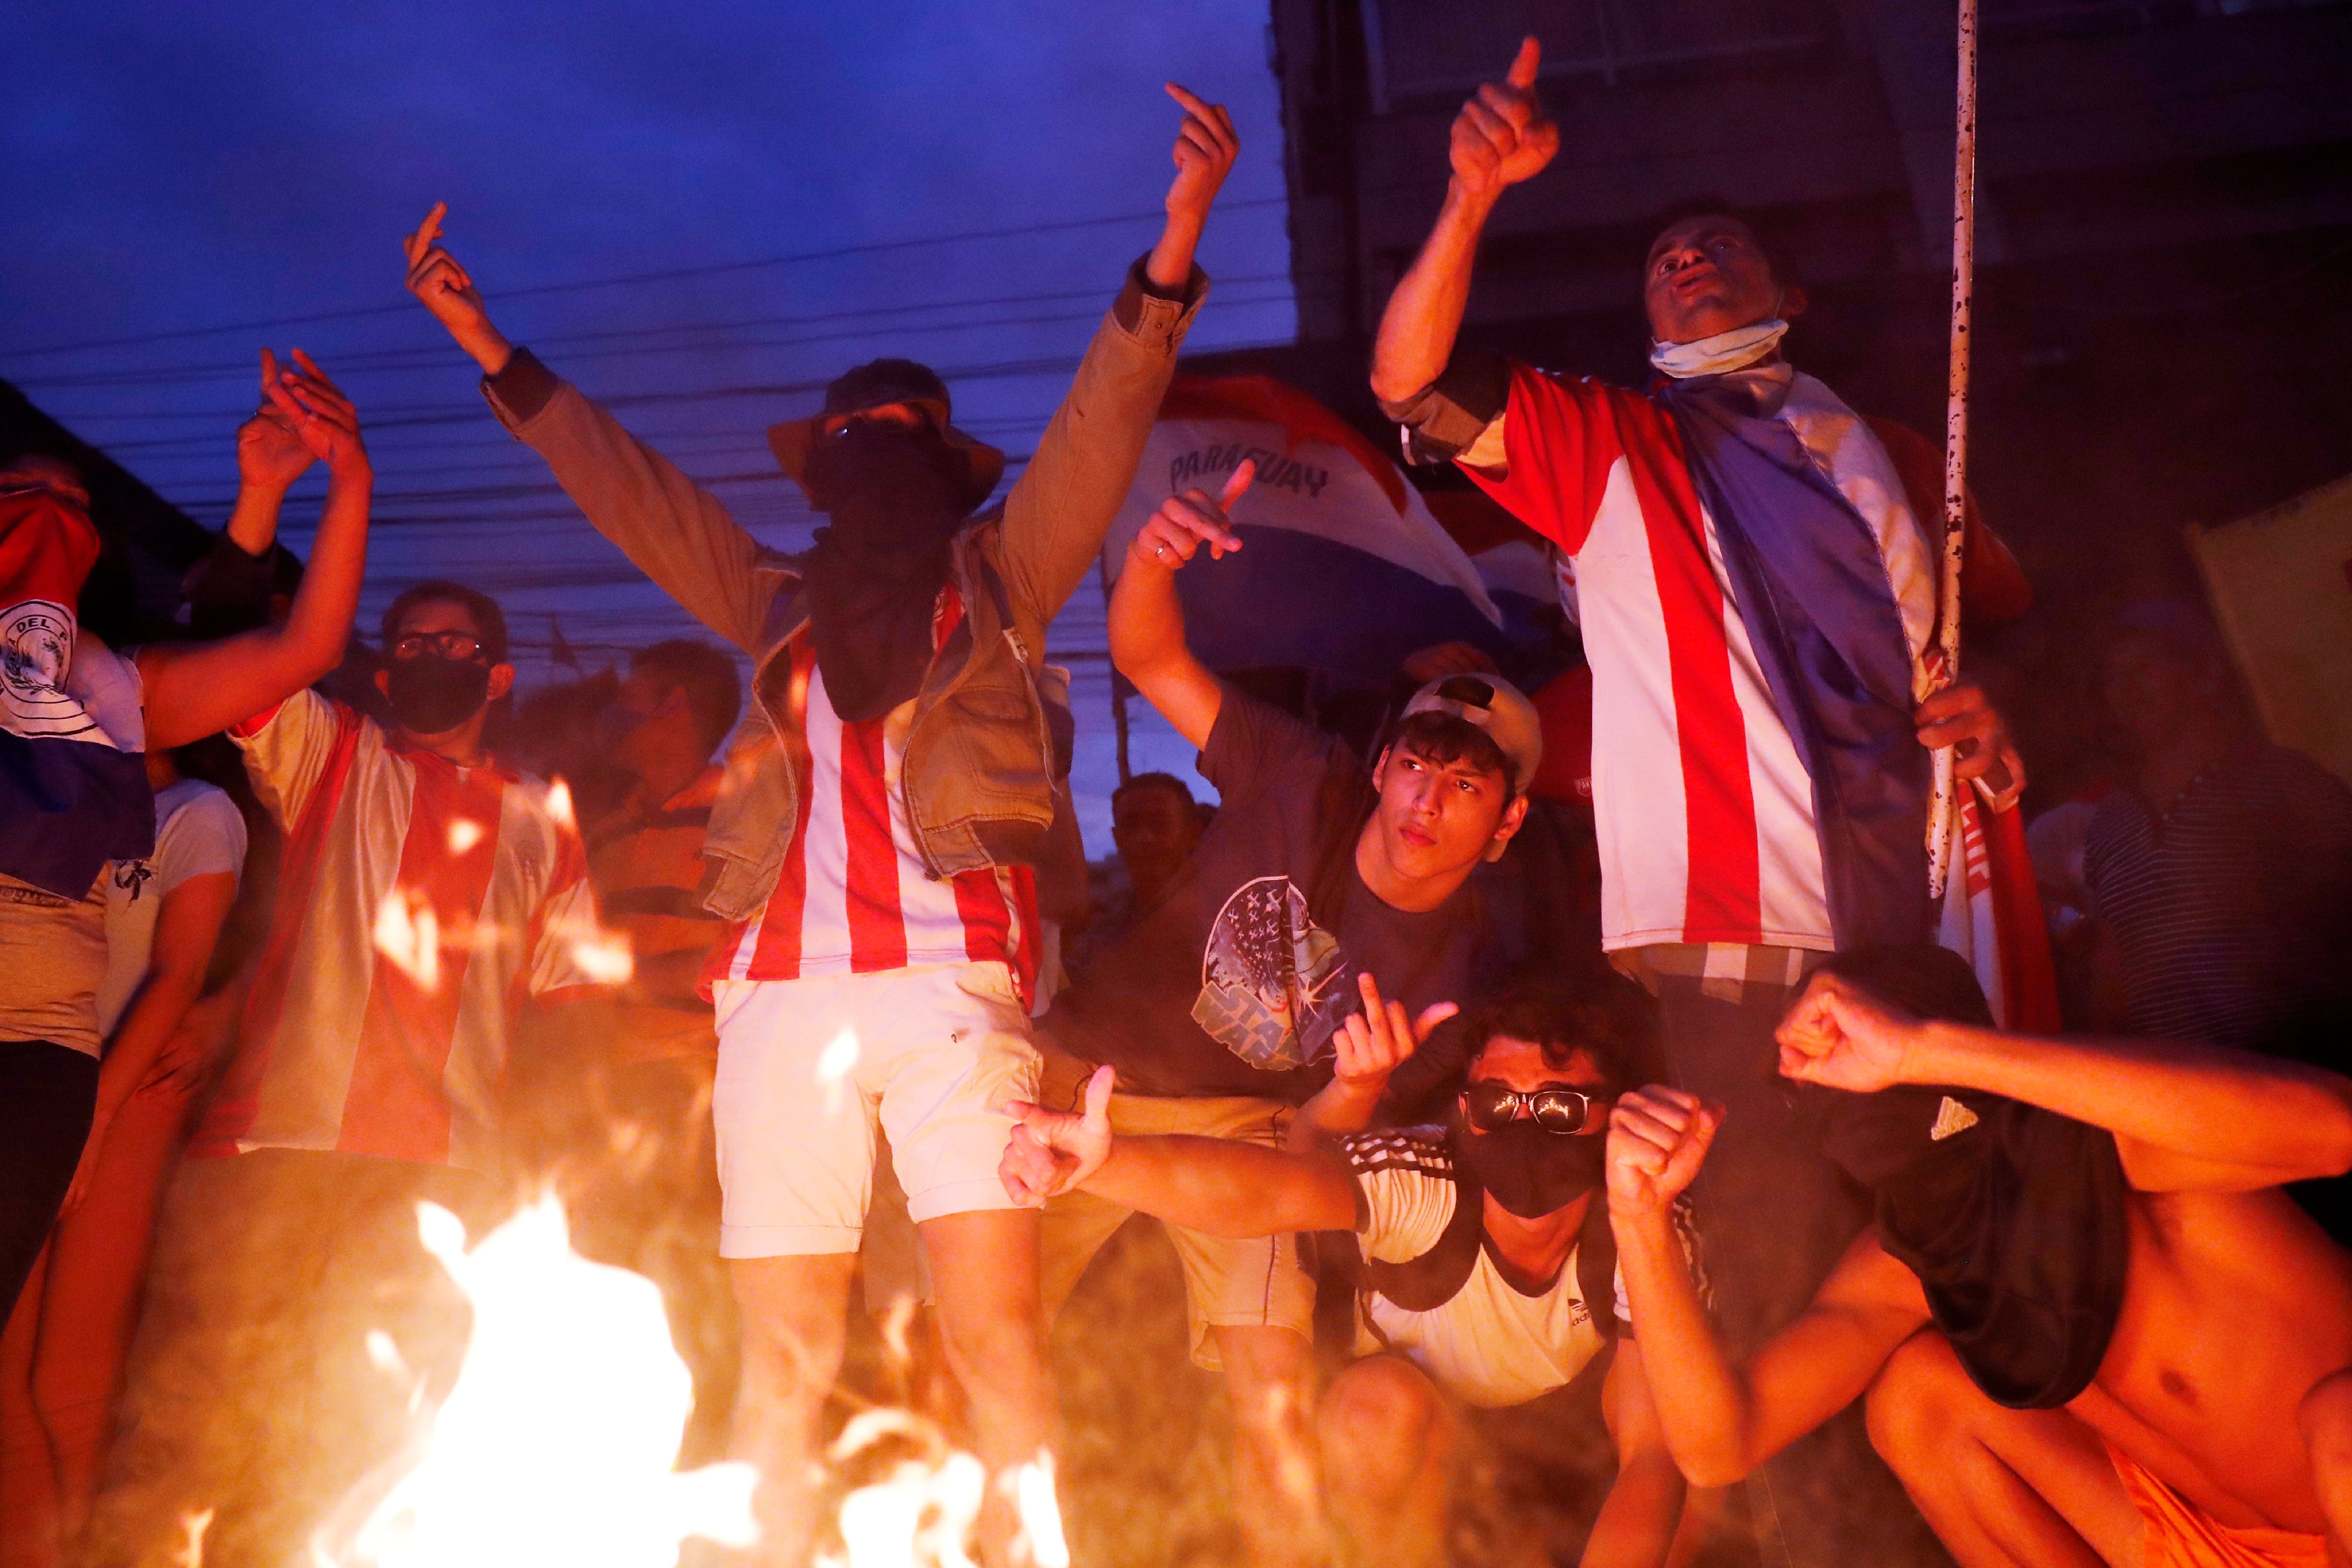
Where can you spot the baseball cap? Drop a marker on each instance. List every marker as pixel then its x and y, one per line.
pixel 1494 705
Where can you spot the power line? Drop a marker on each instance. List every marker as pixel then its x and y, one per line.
pixel 441 361
pixel 870 248
pixel 439 354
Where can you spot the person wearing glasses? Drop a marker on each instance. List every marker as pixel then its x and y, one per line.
pixel 1487 1268
pixel 428 895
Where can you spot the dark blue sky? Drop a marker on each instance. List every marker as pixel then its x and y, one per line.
pixel 196 167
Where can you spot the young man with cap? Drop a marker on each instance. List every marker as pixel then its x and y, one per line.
pixel 1224 1007
pixel 1485 1273
pixel 875 838
pixel 2086 1317
pixel 1755 566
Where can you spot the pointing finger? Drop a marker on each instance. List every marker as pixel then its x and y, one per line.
pixel 421 240
pixel 1516 111
pixel 1238 483
pixel 1211 115
pixel 1522 74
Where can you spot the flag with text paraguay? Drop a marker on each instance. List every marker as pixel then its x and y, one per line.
pixel 1342 568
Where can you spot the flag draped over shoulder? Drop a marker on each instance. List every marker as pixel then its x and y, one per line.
pixel 73 783
pixel 1343 569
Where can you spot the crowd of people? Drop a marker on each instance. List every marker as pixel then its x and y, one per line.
pixel 804 980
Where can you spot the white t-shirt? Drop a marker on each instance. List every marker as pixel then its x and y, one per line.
pixel 198 830
pixel 1492 1343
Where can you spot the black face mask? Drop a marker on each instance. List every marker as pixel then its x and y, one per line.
pixel 895 498
pixel 431 695
pixel 1531 1172
pixel 887 489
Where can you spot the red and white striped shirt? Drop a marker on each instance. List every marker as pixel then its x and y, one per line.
pixel 419 904
pixel 1703 804
pixel 851 896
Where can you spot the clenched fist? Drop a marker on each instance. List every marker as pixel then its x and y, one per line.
pixel 1658 1138
pixel 1837 1036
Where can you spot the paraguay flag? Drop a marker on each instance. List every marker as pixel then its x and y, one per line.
pixel 73 783
pixel 1343 569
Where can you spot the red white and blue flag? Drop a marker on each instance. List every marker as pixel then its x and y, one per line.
pixel 73 783
pixel 1343 569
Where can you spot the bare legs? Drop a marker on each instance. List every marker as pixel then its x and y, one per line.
pixel 2002 1489
pixel 1387 1441
pixel 2325 1418
pixel 1270 1381
pixel 792 1312
pixel 985 1266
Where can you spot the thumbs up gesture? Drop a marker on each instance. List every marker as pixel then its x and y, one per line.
pixel 1501 136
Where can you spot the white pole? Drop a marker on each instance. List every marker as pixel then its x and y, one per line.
pixel 1942 813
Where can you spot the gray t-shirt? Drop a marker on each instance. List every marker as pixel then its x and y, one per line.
pixel 1234 983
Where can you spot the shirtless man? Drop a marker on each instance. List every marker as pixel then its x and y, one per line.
pixel 2225 1307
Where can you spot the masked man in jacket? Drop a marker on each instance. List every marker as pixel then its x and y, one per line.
pixel 876 837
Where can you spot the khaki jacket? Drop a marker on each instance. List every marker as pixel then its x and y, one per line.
pixel 979 778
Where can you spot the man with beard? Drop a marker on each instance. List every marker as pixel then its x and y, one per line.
pixel 1756 569
pixel 1485 1276
pixel 2087 1318
pixel 427 894
pixel 876 837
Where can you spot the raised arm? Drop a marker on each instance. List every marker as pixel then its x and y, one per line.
pixel 2185 1116
pixel 1500 138
pixel 1147 621
pixel 195 688
pixel 269 457
pixel 1213 1184
pixel 1056 515
pixel 1636 1525
pixel 1722 1420
pixel 674 531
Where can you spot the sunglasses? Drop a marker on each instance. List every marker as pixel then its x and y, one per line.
pixel 1492 1107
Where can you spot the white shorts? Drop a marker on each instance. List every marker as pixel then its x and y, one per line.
pixel 806 1066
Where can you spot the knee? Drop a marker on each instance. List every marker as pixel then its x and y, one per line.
pixel 792 1312
pixel 1381 1424
pixel 1912 1407
pixel 2324 1419
pixel 1266 1379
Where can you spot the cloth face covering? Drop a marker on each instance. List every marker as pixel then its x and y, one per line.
pixel 2011 1217
pixel 1720 354
pixel 432 695
pixel 1532 1172
pixel 895 498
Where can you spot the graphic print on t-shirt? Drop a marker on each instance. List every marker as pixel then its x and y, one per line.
pixel 1272 987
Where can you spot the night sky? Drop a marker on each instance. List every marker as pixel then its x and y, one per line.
pixel 180 175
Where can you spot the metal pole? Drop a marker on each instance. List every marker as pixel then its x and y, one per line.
pixel 1118 693
pixel 1944 807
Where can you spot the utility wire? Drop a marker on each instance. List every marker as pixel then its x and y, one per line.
pixel 870 248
